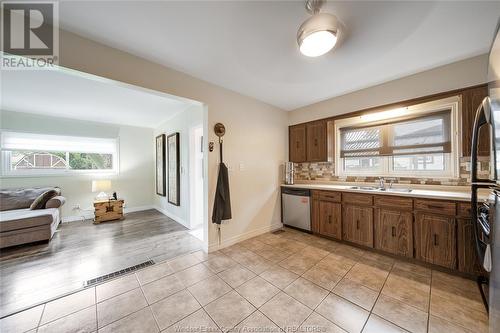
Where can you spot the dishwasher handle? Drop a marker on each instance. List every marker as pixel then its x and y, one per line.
pixel 296 191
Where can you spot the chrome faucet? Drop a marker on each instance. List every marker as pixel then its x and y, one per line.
pixel 381 183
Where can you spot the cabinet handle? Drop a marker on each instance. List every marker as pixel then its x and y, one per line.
pixel 436 240
pixel 357 224
pixel 329 219
pixel 434 207
pixel 297 144
pixel 393 231
pixel 315 142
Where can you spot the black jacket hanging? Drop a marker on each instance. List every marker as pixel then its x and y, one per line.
pixel 222 200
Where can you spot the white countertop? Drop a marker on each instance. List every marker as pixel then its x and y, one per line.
pixel 457 195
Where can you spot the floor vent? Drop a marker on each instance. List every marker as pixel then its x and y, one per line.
pixel 279 231
pixel 116 274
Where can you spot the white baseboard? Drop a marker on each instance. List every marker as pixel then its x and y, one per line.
pixel 88 215
pixel 172 216
pixel 236 239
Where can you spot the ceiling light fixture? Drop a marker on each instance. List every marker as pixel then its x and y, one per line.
pixel 319 33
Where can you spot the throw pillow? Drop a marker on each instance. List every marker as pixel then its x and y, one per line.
pixel 42 199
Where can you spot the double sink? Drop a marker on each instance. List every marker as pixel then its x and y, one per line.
pixel 380 189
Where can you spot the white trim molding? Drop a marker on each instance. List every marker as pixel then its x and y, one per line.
pixel 236 239
pixel 172 216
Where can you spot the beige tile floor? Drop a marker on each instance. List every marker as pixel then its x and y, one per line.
pixel 270 283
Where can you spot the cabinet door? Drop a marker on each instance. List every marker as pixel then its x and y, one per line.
pixel 393 231
pixel 315 212
pixel 317 142
pixel 467 257
pixel 330 219
pixel 297 143
pixel 435 239
pixel 471 98
pixel 357 224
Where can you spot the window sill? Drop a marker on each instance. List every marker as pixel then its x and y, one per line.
pixel 59 174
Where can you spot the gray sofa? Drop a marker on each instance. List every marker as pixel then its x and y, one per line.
pixel 19 224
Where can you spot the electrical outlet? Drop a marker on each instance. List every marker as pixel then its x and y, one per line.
pixel 76 207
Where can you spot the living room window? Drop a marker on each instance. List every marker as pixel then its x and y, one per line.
pixel 419 141
pixel 29 153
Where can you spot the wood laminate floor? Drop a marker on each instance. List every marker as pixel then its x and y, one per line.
pixel 80 251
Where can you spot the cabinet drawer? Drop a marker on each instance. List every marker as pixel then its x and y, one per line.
pixel 329 196
pixel 394 202
pixel 358 199
pixel 434 206
pixel 463 209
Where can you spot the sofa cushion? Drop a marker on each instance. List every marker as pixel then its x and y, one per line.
pixel 26 218
pixel 55 202
pixel 41 200
pixel 19 198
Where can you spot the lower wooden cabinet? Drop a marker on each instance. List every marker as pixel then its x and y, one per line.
pixel 357 224
pixel 435 239
pixel 394 231
pixel 467 257
pixel 330 219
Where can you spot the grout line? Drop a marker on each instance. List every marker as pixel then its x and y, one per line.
pixel 96 313
pixel 41 316
pixel 378 296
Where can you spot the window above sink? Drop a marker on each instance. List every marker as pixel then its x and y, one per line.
pixel 420 140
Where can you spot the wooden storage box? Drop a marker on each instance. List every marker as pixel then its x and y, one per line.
pixel 108 210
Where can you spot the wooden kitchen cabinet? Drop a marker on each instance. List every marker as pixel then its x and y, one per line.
pixel 467 257
pixel 316 142
pixel 471 98
pixel 330 219
pixel 393 231
pixel 297 143
pixel 435 239
pixel 357 224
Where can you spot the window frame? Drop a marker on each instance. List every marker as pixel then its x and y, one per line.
pixel 451 160
pixel 7 172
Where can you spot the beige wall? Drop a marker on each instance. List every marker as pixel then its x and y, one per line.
pixel 256 132
pixel 457 75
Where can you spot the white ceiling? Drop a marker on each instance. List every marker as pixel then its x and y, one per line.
pixel 70 95
pixel 250 46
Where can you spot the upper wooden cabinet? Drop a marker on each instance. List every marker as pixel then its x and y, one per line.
pixel 297 143
pixel 308 142
pixel 316 142
pixel 471 98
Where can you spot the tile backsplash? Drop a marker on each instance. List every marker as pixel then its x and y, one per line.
pixel 325 171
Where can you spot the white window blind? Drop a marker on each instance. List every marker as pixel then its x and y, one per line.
pixel 42 142
pixel 420 135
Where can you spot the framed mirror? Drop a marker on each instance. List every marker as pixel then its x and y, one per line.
pixel 160 165
pixel 173 171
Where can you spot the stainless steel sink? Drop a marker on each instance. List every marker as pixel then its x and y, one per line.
pixel 373 188
pixel 405 190
pixel 366 188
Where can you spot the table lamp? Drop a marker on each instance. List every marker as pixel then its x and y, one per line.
pixel 101 186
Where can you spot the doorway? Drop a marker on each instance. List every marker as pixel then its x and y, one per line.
pixel 196 181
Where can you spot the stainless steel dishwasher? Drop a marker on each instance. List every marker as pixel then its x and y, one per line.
pixel 296 208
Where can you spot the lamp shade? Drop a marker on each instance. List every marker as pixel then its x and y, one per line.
pixel 101 185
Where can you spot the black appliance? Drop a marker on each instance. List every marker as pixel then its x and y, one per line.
pixel 486 215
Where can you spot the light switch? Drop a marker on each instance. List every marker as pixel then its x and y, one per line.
pixel 242 166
